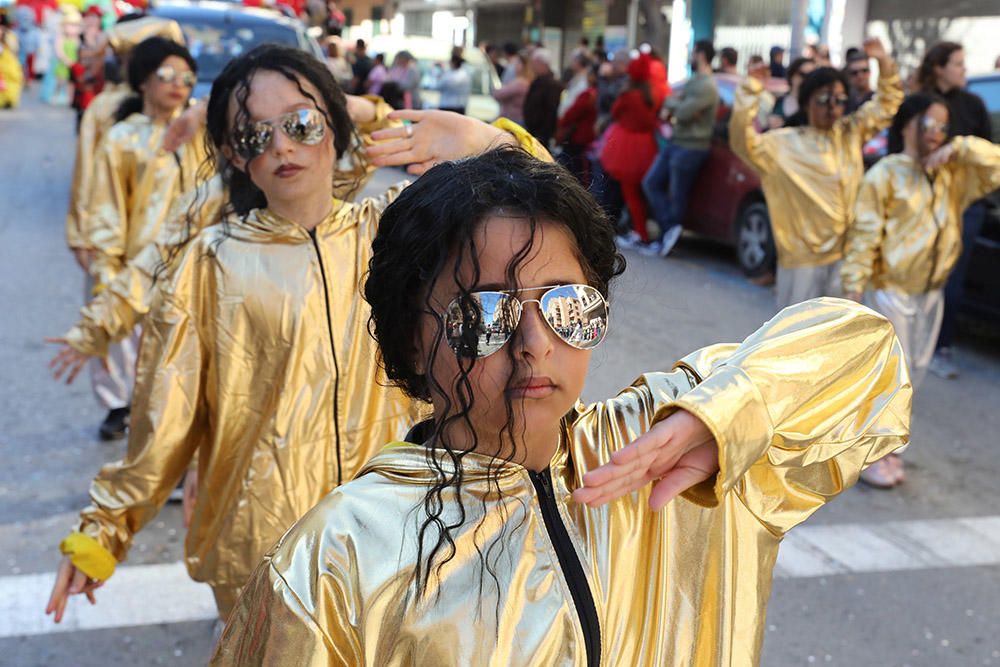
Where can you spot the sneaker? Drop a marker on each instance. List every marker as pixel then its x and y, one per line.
pixel 880 475
pixel 669 240
pixel 628 241
pixel 943 365
pixel 115 425
pixel 651 249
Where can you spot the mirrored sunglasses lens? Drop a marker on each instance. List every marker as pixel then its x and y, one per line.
pixel 578 314
pixel 254 140
pixel 482 324
pixel 306 127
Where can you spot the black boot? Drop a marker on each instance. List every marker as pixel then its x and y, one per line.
pixel 115 425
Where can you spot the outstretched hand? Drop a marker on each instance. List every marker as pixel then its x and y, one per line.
pixel 674 455
pixel 184 128
pixel 875 49
pixel 433 136
pixel 69 581
pixel 939 157
pixel 68 361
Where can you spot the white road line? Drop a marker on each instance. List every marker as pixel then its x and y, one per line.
pixel 152 594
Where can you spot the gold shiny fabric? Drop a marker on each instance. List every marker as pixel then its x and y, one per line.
pixel 798 409
pixel 257 357
pixel 810 177
pixel 123 37
pixel 95 123
pixel 907 231
pixel 133 188
pixel 113 313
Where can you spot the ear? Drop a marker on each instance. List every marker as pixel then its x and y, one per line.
pixel 234 159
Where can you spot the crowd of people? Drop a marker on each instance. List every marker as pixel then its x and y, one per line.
pixel 375 418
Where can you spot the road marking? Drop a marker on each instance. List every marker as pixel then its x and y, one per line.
pixel 153 594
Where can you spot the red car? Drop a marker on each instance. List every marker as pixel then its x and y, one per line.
pixel 727 202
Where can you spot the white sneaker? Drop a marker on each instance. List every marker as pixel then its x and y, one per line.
pixel 651 249
pixel 669 240
pixel 942 364
pixel 628 242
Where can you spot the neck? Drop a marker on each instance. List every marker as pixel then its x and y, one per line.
pixel 910 149
pixel 157 113
pixel 306 212
pixel 534 449
pixel 703 68
pixel 944 88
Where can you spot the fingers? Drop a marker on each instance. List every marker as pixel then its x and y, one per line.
pixel 398 159
pixel 57 341
pixel 78 582
pixel 674 483
pixel 75 369
pixel 393 133
pixel 412 115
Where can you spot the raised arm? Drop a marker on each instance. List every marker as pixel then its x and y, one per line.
pixel 976 166
pixel 864 236
pixel 795 413
pixel 754 148
pixel 876 114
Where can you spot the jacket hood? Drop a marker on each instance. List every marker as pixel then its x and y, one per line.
pixel 261 225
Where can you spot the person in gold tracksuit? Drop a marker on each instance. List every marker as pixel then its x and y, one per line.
pixel 256 357
pixel 907 232
pixel 810 175
pixel 497 533
pixel 113 314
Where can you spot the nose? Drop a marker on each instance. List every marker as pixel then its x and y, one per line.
pixel 534 335
pixel 280 143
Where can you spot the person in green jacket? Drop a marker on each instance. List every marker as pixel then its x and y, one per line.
pixel 669 181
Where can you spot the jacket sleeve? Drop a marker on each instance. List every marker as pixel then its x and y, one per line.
pixel 693 103
pixel 876 114
pixel 864 235
pixel 976 163
pixel 275 625
pixel 167 419
pixel 755 149
pixel 107 212
pixel 799 409
pixel 83 166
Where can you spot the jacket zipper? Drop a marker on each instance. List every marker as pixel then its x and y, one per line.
pixel 333 349
pixel 572 569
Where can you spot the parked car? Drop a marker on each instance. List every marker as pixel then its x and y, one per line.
pixel 217 32
pixel 430 53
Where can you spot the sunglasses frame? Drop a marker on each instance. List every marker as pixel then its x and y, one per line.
pixel 304 117
pixel 510 294
pixel 927 124
pixel 167 74
pixel 831 99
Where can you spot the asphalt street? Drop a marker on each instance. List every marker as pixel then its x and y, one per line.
pixel 907 577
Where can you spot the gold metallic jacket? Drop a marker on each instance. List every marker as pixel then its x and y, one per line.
pixel 907 229
pixel 113 313
pixel 132 191
pixel 95 123
pixel 798 410
pixel 257 358
pixel 810 177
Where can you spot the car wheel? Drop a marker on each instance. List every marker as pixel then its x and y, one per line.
pixel 754 240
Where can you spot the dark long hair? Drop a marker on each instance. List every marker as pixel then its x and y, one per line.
pixel 233 83
pixel 819 78
pixel 143 61
pixel 429 233
pixel 936 56
pixel 914 105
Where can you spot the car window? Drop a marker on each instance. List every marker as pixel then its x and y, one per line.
pixel 990 92
pixel 213 44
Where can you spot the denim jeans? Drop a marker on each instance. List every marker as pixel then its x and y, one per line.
pixel 669 181
pixel 972 224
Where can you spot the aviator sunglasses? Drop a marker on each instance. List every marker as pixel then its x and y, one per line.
pixel 928 124
pixel 168 74
pixel 826 98
pixel 305 126
pixel 481 323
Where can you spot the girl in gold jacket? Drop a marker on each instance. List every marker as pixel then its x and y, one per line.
pixel 907 232
pixel 256 357
pixel 519 526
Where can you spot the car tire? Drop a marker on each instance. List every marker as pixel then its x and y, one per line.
pixel 755 249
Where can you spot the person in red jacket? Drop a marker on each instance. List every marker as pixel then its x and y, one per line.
pixel 630 148
pixel 577 129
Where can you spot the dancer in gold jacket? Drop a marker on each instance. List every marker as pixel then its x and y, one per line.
pixel 462 546
pixel 114 312
pixel 907 232
pixel 256 356
pixel 810 175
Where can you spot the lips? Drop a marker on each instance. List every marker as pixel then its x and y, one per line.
pixel 533 387
pixel 288 169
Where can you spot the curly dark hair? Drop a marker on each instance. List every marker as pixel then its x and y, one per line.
pixel 233 83
pixel 143 62
pixel 914 105
pixel 820 77
pixel 429 230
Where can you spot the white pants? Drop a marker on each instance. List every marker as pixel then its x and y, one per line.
pixel 806 282
pixel 113 386
pixel 917 320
